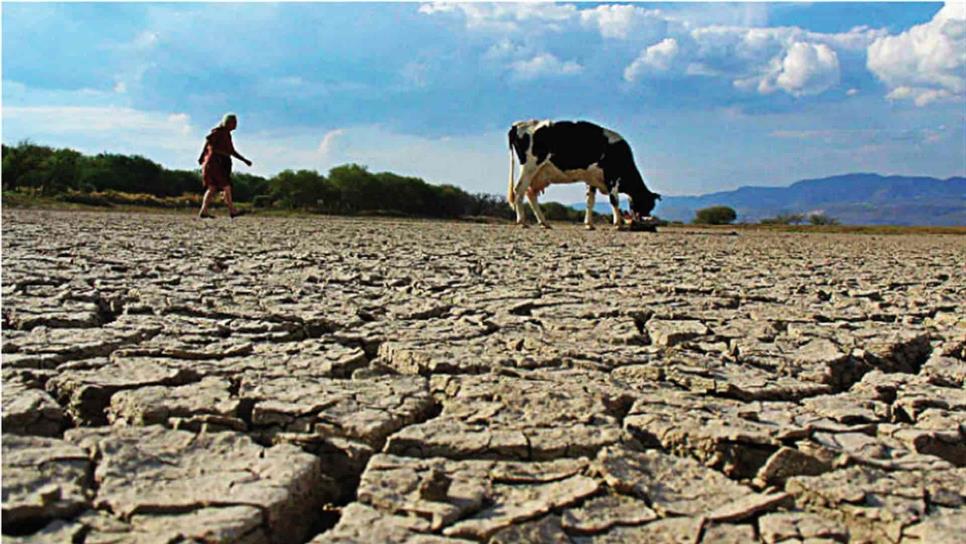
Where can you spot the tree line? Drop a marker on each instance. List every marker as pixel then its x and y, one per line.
pixel 346 189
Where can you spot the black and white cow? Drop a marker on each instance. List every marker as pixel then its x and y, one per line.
pixel 566 152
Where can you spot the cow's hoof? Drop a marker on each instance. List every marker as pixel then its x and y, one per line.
pixel 545 226
pixel 523 225
pixel 588 227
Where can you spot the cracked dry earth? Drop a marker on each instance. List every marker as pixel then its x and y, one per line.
pixel 290 380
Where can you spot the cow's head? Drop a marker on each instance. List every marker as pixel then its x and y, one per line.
pixel 643 203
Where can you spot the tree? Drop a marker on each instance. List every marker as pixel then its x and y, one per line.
pixel 822 219
pixel 715 215
pixel 304 189
pixel 245 187
pixel 24 165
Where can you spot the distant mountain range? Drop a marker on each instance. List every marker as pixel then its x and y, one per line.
pixel 854 199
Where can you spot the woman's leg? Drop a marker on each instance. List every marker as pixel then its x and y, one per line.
pixel 229 202
pixel 206 201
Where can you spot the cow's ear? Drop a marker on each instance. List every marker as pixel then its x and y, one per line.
pixel 657 196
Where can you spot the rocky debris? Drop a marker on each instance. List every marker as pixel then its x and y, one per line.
pixel 342 421
pixel 229 524
pixel 725 434
pixel 525 417
pixel 175 481
pixel 677 530
pixel 800 526
pixel 25 313
pixel 718 377
pixel 877 505
pixel 321 357
pixel 440 382
pixel 207 405
pixel 945 526
pixel 360 523
pixel 599 514
pixel 30 410
pixel 481 499
pixel 55 532
pixel 945 371
pixel 672 332
pixel 809 359
pixel 365 411
pixel 44 347
pixel 44 479
pixel 678 486
pixel 87 393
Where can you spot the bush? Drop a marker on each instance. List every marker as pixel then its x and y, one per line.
pixel 715 215
pixel 119 198
pixel 784 219
pixel 822 219
pixel 262 201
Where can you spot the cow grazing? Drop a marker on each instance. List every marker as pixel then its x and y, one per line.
pixel 567 152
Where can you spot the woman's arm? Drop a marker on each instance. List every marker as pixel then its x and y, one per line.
pixel 239 155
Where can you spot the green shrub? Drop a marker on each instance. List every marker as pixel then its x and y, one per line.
pixel 262 201
pixel 822 219
pixel 715 215
pixel 784 219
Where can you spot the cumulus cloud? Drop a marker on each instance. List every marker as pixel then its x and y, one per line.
pixel 544 65
pixel 657 57
pixel 729 42
pixel 621 21
pixel 766 60
pixel 926 63
pixel 807 69
pixel 506 18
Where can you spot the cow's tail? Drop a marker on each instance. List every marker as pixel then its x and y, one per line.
pixel 511 196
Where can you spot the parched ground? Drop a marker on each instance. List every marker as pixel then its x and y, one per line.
pixel 316 379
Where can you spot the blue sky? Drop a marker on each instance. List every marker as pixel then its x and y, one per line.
pixel 710 96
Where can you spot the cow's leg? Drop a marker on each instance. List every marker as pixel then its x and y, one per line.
pixel 535 206
pixel 522 189
pixel 523 185
pixel 615 207
pixel 589 213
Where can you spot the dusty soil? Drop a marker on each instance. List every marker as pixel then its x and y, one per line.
pixel 334 380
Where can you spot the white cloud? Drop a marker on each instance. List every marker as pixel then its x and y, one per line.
pixel 326 146
pixel 857 39
pixel 167 137
pixel 657 57
pixel 720 41
pixel 807 69
pixel 532 17
pixel 544 65
pixel 926 63
pixel 146 40
pixel 765 60
pixel 622 21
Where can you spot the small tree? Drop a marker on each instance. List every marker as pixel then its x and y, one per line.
pixel 715 215
pixel 822 219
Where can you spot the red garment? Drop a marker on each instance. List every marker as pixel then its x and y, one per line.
pixel 216 159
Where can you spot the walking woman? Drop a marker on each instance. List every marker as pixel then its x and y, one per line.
pixel 215 161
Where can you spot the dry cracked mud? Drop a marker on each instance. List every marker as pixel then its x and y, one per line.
pixel 319 379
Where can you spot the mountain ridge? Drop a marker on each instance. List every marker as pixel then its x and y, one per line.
pixel 853 198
